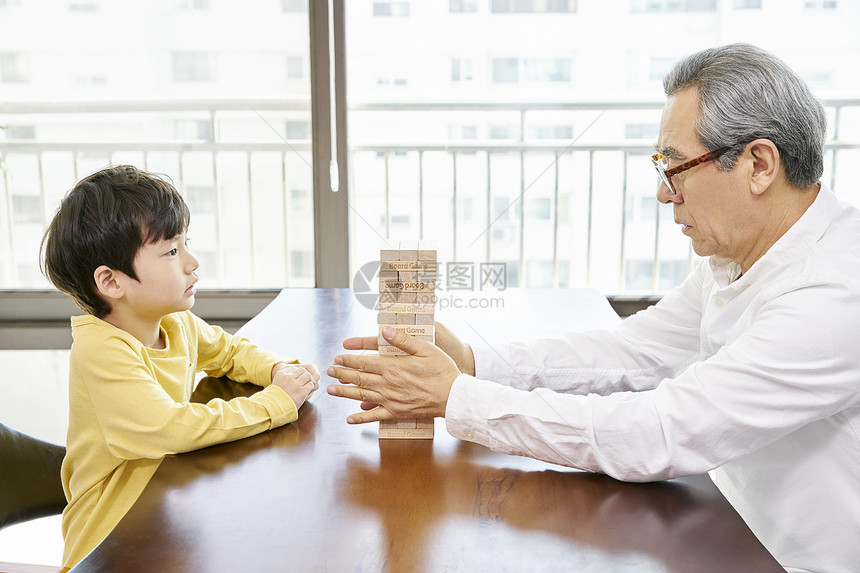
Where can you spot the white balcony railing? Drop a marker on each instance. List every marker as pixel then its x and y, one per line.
pixel 576 211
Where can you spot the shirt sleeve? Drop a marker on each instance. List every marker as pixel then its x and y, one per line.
pixel 796 363
pixel 641 351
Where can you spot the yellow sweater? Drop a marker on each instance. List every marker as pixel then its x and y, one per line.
pixel 128 408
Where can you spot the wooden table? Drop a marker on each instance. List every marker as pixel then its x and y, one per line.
pixel 320 495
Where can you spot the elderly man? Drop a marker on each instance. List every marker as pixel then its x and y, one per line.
pixel 750 370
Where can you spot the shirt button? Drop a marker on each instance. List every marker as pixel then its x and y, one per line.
pixel 719 302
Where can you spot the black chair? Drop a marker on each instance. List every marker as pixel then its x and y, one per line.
pixel 30 485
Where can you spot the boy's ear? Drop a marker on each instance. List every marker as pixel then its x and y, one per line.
pixel 107 282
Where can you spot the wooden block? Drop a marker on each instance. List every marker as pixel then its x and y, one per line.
pixel 388 350
pixel 408 297
pixel 402 318
pixel 413 434
pixel 408 424
pixel 401 286
pixel 389 255
pixel 407 276
pixel 395 307
pixel 386 318
pixel 424 319
pixel 388 275
pixel 412 330
pixel 425 297
pixel 424 423
pixel 415 266
pixel 426 255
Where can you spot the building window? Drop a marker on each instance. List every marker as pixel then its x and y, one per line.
pixel 461 6
pixel 820 5
pixel 393 9
pixel 504 131
pixel 551 132
pixel 14 69
pixel 295 6
pixel 673 5
pixel 535 70
pixel 27 208
pixel 658 67
pixel 297 130
pixel 506 70
pixel 297 68
pixel 195 4
pixel 541 70
pixel 641 131
pixel 532 6
pixel 20 131
pixel 193 67
pixel 193 129
pixel 461 70
pixel 81 6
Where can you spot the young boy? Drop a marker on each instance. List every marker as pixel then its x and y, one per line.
pixel 117 246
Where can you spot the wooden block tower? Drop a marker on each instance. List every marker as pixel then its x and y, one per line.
pixel 407 302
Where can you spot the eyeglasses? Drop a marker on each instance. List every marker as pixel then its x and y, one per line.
pixel 666 174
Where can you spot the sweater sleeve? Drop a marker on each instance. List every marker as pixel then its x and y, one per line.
pixel 222 354
pixel 140 402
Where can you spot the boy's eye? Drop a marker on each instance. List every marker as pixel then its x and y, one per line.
pixel 172 252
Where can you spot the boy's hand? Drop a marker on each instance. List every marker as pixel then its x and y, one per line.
pixel 297 380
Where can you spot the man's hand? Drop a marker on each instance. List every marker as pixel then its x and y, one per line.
pixel 390 387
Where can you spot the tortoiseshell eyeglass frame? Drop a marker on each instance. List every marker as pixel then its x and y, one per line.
pixel 666 174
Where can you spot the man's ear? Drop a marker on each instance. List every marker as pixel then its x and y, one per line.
pixel 765 164
pixel 108 281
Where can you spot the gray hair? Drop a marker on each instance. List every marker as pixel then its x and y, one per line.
pixel 746 93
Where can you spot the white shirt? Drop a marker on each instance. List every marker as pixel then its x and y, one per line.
pixel 754 379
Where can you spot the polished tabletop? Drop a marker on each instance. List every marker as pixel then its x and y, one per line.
pixel 321 495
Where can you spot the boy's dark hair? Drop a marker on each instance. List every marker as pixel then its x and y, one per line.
pixel 104 220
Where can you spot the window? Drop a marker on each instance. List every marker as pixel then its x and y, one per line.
pixel 746 4
pixel 504 132
pixel 552 132
pixel 295 6
pixel 641 131
pixel 673 5
pixel 14 69
pixel 506 70
pixel 19 131
pixel 193 67
pixel 460 6
pixel 461 70
pixel 195 4
pixel 297 68
pixel 192 129
pixel 547 69
pixel 297 130
pixel 395 9
pixel 532 6
pixel 820 4
pixel 27 208
pixel 658 67
pixel 83 6
pixel 534 70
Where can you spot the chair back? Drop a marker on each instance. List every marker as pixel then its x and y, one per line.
pixel 30 484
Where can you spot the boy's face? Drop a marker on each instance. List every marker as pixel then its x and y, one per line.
pixel 166 278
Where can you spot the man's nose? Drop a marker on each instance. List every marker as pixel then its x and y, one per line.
pixel 665 195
